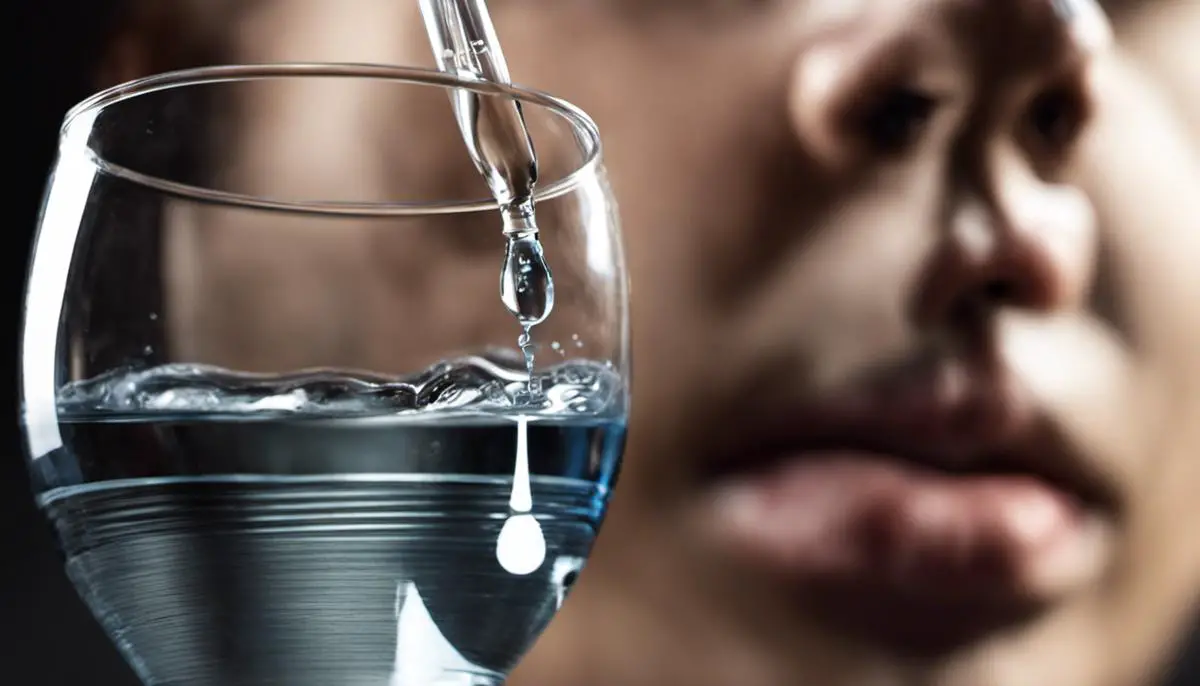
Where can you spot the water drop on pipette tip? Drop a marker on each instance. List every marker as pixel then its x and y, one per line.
pixel 526 284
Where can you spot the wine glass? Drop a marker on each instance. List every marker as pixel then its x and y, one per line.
pixel 272 401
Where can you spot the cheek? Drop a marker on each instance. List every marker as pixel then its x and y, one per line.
pixel 1146 289
pixel 1142 177
pixel 1146 294
pixel 837 300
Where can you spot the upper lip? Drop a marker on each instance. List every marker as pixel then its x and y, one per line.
pixel 945 416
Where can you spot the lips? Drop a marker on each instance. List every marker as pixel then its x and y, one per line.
pixel 932 507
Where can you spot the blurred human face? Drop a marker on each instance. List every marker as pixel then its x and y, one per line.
pixel 915 329
pixel 873 248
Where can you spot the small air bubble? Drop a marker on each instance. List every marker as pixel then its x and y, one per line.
pixel 147 350
pixel 153 316
pixel 555 345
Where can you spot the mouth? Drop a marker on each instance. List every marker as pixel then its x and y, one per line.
pixel 917 513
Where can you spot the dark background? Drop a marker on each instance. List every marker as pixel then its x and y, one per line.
pixel 47 637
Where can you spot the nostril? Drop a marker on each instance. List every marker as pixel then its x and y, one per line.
pixel 988 296
pixel 999 291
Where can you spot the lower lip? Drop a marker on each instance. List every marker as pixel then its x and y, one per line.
pixel 925 557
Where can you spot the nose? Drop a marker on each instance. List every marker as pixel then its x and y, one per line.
pixel 1024 243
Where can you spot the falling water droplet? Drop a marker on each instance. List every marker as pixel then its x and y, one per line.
pixel 525 341
pixel 521 546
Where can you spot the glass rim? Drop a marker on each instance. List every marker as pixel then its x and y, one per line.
pixel 93 105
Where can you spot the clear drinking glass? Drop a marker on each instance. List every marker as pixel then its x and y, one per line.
pixel 273 403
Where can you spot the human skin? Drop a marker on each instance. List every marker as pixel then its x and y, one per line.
pixel 1161 35
pixel 781 259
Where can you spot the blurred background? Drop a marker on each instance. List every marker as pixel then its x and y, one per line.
pixel 48 636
